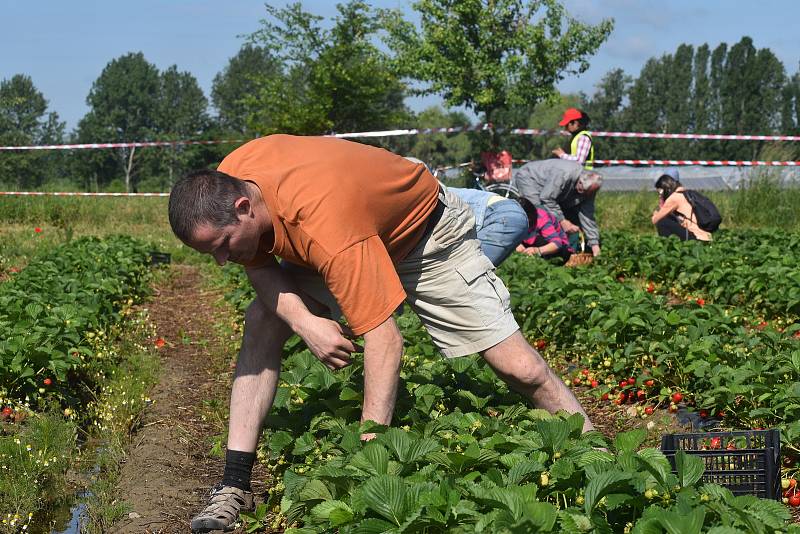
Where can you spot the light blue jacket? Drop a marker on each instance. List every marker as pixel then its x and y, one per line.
pixel 477 200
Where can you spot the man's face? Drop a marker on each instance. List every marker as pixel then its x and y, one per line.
pixel 236 242
pixel 586 190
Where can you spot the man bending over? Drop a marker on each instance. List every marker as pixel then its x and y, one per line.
pixel 359 231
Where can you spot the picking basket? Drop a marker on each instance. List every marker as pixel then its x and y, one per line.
pixel 579 258
pixel 747 462
pixel 159 258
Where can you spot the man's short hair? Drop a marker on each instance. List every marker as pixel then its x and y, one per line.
pixel 201 197
pixel 589 179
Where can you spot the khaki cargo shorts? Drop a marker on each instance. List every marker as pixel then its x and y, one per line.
pixel 449 284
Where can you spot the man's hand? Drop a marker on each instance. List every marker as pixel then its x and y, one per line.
pixel 569 227
pixel 559 151
pixel 595 250
pixel 328 341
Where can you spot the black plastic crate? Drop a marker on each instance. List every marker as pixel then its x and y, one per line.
pixel 747 462
pixel 159 258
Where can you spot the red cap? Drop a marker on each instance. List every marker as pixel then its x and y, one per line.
pixel 570 115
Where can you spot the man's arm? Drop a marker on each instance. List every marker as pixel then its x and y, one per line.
pixel 279 294
pixel 383 351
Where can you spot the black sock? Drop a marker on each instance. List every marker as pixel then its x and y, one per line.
pixel 238 467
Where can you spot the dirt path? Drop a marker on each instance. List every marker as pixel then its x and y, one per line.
pixel 169 470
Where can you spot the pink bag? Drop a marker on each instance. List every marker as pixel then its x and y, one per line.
pixel 497 165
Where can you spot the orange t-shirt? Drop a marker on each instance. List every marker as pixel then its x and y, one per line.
pixel 347 210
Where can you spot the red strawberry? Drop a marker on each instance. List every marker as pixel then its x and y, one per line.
pixel 715 443
pixel 540 344
pixel 47 381
pixel 595 383
pixel 37 230
pixel 159 342
pixel 703 413
pixel 651 287
pixel 631 381
pixel 701 301
pixel 649 410
pixel 649 383
pixel 677 397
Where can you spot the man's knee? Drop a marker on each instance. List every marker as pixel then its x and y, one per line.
pixel 261 323
pixel 534 373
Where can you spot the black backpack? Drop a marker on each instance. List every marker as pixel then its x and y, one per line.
pixel 708 217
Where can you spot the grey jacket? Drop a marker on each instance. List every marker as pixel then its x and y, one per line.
pixel 550 183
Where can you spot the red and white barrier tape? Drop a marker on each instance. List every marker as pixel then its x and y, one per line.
pixel 414 131
pixel 122 145
pixel 659 162
pixel 707 163
pixel 75 194
pixel 723 137
pixel 422 131
pixel 644 135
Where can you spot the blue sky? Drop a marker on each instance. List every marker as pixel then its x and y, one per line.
pixel 64 46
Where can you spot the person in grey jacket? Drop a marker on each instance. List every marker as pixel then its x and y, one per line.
pixel 565 189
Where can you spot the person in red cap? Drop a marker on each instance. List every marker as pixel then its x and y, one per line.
pixel 581 148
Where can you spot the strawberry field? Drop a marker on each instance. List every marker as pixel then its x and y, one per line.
pixel 653 327
pixel 656 325
pixel 59 317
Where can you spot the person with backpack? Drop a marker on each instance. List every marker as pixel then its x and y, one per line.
pixel 684 213
pixel 581 147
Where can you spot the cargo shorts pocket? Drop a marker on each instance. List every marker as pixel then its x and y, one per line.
pixel 486 292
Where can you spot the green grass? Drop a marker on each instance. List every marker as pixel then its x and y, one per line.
pixel 64 218
pixel 762 204
pixel 33 463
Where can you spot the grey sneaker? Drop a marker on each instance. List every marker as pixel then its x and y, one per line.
pixel 222 512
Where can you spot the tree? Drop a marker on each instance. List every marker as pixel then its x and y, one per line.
pixel 123 106
pixel 24 120
pixel 607 102
pixel 182 114
pixel 605 110
pixel 441 149
pixel 132 101
pixel 239 80
pixel 493 55
pixel 750 95
pixel 330 79
pixel 702 90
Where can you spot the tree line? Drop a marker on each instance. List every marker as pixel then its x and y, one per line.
pixel 302 74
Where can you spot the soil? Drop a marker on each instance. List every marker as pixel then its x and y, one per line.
pixel 169 469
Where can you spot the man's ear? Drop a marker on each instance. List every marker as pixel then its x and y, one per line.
pixel 243 206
